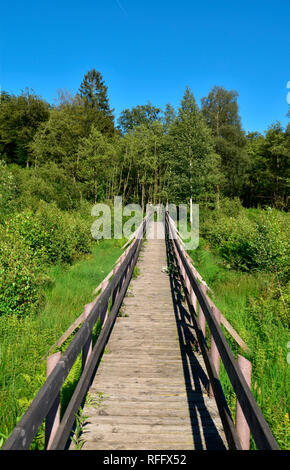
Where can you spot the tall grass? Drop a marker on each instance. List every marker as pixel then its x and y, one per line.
pixel 25 340
pixel 247 300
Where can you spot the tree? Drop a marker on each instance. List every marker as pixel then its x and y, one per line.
pixel 138 115
pixel 268 182
pixel 251 195
pixel 57 140
pixel 276 156
pixel 169 117
pixel 95 164
pixel 192 162
pixel 220 109
pixel 93 96
pixel 20 117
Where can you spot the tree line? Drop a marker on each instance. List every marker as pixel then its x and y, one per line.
pixel 150 154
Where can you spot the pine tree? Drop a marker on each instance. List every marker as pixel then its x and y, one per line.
pixel 93 95
pixel 168 117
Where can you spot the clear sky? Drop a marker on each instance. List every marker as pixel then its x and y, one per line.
pixel 151 50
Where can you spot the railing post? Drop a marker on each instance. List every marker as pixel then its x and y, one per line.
pixel 123 277
pixel 242 427
pixel 193 299
pixel 201 317
pixel 53 417
pixel 187 283
pixel 88 346
pixel 115 292
pixel 180 267
pixel 184 274
pixel 182 270
pixel 190 288
pixel 104 315
pixel 214 353
pixel 192 293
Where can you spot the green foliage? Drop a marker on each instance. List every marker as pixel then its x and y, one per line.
pixel 93 94
pixel 8 191
pixel 31 241
pixel 269 172
pixel 248 240
pixel 157 156
pixel 49 183
pixel 77 439
pixel 26 339
pixel 21 277
pixel 74 156
pixel 20 117
pixel 137 116
pixel 257 305
pixel 193 165
pixel 52 235
pixel 56 140
pixel 220 109
pixel 95 157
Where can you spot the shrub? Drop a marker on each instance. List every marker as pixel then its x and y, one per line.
pixel 272 241
pixel 52 235
pixel 7 191
pixel 30 242
pixel 48 183
pixel 20 277
pixel 251 241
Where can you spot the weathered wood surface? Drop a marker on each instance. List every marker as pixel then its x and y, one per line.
pixel 150 388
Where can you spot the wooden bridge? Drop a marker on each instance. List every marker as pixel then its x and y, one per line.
pixel 152 376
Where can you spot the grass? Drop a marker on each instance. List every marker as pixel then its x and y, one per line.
pixel 246 300
pixel 24 341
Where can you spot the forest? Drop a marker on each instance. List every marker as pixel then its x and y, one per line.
pixel 150 155
pixel 56 161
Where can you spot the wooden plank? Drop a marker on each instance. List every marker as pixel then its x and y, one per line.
pixel 228 425
pixel 142 384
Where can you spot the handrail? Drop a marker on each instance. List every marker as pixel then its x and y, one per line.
pixel 26 429
pixel 259 428
pixel 224 321
pixel 98 290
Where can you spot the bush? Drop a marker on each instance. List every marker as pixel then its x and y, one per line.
pixel 272 242
pixel 53 236
pixel 7 191
pixel 48 183
pixel 230 207
pixel 20 277
pixel 251 241
pixel 30 242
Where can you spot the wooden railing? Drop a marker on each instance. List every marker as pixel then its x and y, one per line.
pixel 203 310
pixel 45 405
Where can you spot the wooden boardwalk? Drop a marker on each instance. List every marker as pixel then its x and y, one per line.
pixel 150 388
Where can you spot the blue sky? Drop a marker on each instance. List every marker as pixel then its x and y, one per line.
pixel 151 50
